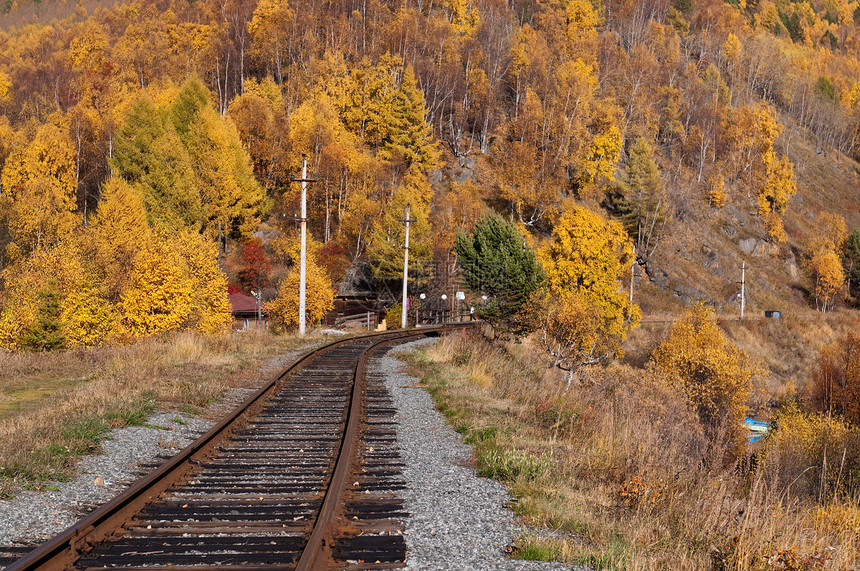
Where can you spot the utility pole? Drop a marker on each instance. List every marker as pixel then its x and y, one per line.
pixel 632 273
pixel 405 270
pixel 304 254
pixel 743 285
pixel 259 309
pixel 258 297
pixel 303 266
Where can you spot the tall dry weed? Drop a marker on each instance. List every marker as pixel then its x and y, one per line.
pixel 94 390
pixel 635 482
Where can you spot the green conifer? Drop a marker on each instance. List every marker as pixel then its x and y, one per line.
pixel 47 333
pixel 497 262
pixel 150 156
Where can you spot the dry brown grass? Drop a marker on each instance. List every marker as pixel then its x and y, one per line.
pixel 57 406
pixel 621 468
pixel 787 348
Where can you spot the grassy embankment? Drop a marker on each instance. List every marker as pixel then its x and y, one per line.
pixel 54 407
pixel 621 469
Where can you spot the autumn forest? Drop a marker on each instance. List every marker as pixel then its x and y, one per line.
pixel 182 122
pixel 613 181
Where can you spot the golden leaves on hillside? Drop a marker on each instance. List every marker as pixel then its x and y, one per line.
pixel 715 375
pixel 583 315
pixel 319 297
pixel 824 263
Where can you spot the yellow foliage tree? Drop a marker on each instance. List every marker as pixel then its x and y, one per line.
pixel 829 277
pixel 717 196
pixel 119 231
pixel 158 297
pixel 774 196
pixel 519 183
pixel 209 311
pixel 231 198
pixel 715 375
pixel 825 259
pixel 604 153
pixel 151 157
pixel 803 440
pixel 583 314
pixel 270 28
pixel 835 387
pixel 40 181
pixel 582 21
pixel 463 16
pixel 348 170
pixel 831 233
pixel 261 123
pixel 88 317
pixel 5 88
pixel 319 297
pixel 388 233
pixel 457 211
pixel 84 311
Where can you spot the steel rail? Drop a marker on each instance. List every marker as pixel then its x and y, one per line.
pixel 317 554
pixel 64 549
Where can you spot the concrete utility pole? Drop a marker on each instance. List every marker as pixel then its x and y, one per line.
pixel 304 232
pixel 259 309
pixel 632 273
pixel 303 269
pixel 743 284
pixel 405 270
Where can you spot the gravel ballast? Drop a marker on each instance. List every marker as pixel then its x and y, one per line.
pixel 33 517
pixel 458 520
pixel 30 518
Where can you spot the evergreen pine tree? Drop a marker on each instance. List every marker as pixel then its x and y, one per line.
pixel 47 333
pixel 497 262
pixel 851 261
pixel 223 173
pixel 645 198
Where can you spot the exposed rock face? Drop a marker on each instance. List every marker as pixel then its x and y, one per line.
pixel 747 245
pixel 688 293
pixel 791 266
pixel 763 248
pixel 710 259
pixel 658 277
pixel 465 169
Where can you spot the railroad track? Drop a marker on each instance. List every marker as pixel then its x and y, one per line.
pixel 304 475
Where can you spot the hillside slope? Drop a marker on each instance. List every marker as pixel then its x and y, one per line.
pixel 718 133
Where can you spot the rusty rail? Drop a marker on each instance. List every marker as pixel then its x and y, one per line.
pixel 63 550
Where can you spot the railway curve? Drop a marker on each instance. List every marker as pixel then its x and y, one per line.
pixel 303 475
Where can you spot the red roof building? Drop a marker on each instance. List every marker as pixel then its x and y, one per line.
pixel 244 310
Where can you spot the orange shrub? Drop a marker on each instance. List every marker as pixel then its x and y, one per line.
pixel 836 380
